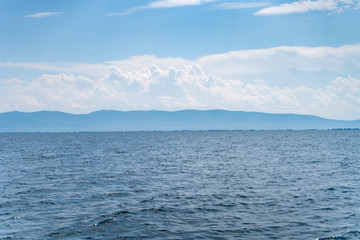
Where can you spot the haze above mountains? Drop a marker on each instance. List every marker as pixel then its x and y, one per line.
pixel 46 121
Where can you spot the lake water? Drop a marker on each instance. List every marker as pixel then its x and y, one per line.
pixel 180 185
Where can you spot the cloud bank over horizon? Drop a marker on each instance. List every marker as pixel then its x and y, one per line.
pixel 304 80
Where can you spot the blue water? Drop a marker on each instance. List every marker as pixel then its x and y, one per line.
pixel 180 185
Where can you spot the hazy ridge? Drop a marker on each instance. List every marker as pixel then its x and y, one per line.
pixel 107 120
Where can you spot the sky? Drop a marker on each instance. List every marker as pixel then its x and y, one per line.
pixel 276 56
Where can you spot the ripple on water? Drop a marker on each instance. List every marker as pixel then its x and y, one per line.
pixel 180 185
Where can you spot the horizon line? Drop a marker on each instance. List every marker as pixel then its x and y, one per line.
pixel 171 111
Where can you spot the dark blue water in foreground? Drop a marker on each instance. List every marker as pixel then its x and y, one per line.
pixel 181 185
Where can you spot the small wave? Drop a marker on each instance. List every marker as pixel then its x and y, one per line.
pixel 331 238
pixel 105 221
pixel 47 202
pixel 157 210
pixel 349 235
pixel 115 214
pixel 325 209
pixel 5 204
pixel 147 200
pixel 120 152
pixel 8 237
pixel 204 209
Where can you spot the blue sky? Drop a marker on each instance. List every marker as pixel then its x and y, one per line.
pixel 271 56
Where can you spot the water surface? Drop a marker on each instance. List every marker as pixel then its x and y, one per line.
pixel 180 185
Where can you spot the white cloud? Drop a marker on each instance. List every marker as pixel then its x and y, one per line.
pixel 42 14
pixel 162 4
pixel 287 79
pixel 175 89
pixel 241 5
pixel 284 62
pixel 136 62
pixel 278 66
pixel 308 5
pixel 175 3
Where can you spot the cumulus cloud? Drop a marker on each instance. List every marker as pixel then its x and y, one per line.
pixel 309 5
pixel 162 4
pixel 287 79
pixel 175 89
pixel 42 14
pixel 243 64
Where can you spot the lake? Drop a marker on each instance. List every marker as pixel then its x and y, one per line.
pixel 180 185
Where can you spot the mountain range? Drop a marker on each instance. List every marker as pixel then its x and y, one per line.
pixel 107 120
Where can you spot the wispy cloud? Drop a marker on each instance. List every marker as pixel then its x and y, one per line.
pixel 42 14
pixel 162 4
pixel 176 3
pixel 308 5
pixel 241 5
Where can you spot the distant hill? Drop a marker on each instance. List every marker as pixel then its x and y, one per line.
pixel 46 121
